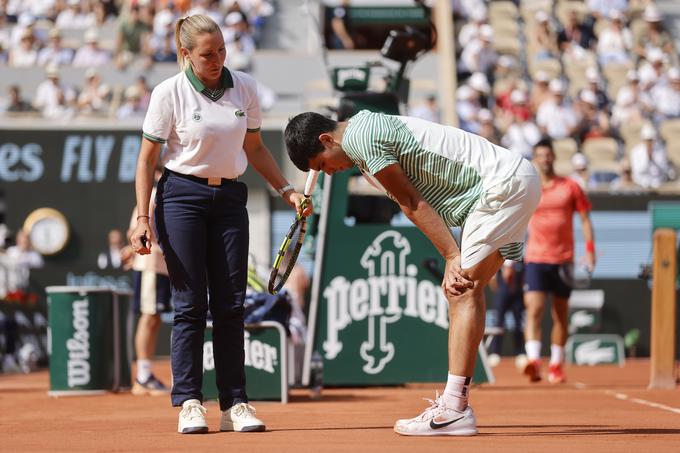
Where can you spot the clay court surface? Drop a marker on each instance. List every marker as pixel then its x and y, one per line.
pixel 601 409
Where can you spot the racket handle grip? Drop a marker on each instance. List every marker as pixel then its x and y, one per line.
pixel 311 182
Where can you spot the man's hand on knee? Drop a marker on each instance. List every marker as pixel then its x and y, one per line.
pixel 456 280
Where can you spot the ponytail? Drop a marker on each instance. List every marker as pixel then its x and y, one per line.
pixel 186 31
pixel 178 45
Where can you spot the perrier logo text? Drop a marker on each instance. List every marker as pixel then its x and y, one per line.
pixel 390 290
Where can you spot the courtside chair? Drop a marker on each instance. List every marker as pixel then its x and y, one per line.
pixel 601 153
pixel 550 66
pixel 631 134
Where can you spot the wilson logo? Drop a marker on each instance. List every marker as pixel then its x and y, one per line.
pixel 78 363
pixel 390 290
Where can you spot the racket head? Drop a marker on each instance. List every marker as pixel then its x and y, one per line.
pixel 575 277
pixel 287 255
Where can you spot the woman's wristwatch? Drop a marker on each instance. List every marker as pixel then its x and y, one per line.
pixel 285 189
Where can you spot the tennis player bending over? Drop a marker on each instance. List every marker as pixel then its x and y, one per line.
pixel 441 177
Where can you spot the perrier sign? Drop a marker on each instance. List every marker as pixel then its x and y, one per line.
pixel 381 318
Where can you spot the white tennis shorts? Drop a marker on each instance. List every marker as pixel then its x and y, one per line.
pixel 500 218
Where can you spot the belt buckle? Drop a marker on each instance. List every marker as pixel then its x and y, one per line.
pixel 214 181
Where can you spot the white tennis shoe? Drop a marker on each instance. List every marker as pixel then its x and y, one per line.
pixel 192 418
pixel 241 417
pixel 438 420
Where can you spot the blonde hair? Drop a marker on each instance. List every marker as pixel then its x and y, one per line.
pixel 186 31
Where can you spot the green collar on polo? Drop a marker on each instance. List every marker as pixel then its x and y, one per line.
pixel 226 81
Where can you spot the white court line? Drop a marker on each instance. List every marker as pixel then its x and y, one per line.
pixel 624 397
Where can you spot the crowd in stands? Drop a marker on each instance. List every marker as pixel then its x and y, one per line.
pixel 53 34
pixel 600 78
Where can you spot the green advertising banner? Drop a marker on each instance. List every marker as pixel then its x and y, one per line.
pixel 595 349
pixel 86 340
pixel 266 356
pixel 377 315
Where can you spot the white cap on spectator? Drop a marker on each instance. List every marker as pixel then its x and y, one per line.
pixel 165 20
pixel 52 71
pixel 674 74
pixel 542 76
pixel 632 75
pixel 485 116
pixel 615 14
pixel 26 20
pixel 465 93
pixel 556 86
pixel 592 75
pixel 233 18
pixel 91 72
pixel 579 161
pixel 479 82
pixel 73 2
pixel 654 55
pixel 648 132
pixel 507 61
pixel 588 97
pixel 479 14
pixel 91 36
pixel 541 16
pixel 132 92
pixel 486 33
pixel 518 97
pixel 54 33
pixel 652 14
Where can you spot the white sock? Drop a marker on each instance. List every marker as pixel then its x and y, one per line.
pixel 143 370
pixel 533 348
pixel 556 354
pixel 456 392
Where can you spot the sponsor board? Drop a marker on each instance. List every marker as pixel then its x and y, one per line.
pixel 265 347
pixel 595 349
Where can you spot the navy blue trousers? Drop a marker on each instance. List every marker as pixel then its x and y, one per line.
pixel 203 231
pixel 509 298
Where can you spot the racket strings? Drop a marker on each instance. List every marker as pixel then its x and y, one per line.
pixel 287 255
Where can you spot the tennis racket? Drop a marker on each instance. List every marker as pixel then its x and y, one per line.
pixel 575 277
pixel 292 243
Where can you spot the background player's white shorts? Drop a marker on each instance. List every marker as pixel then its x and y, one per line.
pixel 501 216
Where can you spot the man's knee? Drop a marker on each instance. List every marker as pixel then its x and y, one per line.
pixel 471 297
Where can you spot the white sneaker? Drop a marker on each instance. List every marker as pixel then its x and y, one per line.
pixel 241 417
pixel 192 418
pixel 438 420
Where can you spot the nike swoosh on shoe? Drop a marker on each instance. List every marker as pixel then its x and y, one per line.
pixel 435 425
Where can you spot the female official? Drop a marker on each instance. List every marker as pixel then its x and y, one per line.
pixel 209 119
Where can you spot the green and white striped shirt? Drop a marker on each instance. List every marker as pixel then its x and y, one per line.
pixel 449 167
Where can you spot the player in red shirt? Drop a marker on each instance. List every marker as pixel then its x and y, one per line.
pixel 549 258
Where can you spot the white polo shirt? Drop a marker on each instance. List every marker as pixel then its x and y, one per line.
pixel 202 128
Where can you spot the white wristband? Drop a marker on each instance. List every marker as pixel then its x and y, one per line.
pixel 285 189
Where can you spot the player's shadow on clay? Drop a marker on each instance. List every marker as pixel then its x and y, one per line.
pixel 336 428
pixel 334 398
pixel 575 430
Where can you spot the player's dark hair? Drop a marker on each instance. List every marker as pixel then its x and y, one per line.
pixel 545 142
pixel 302 137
